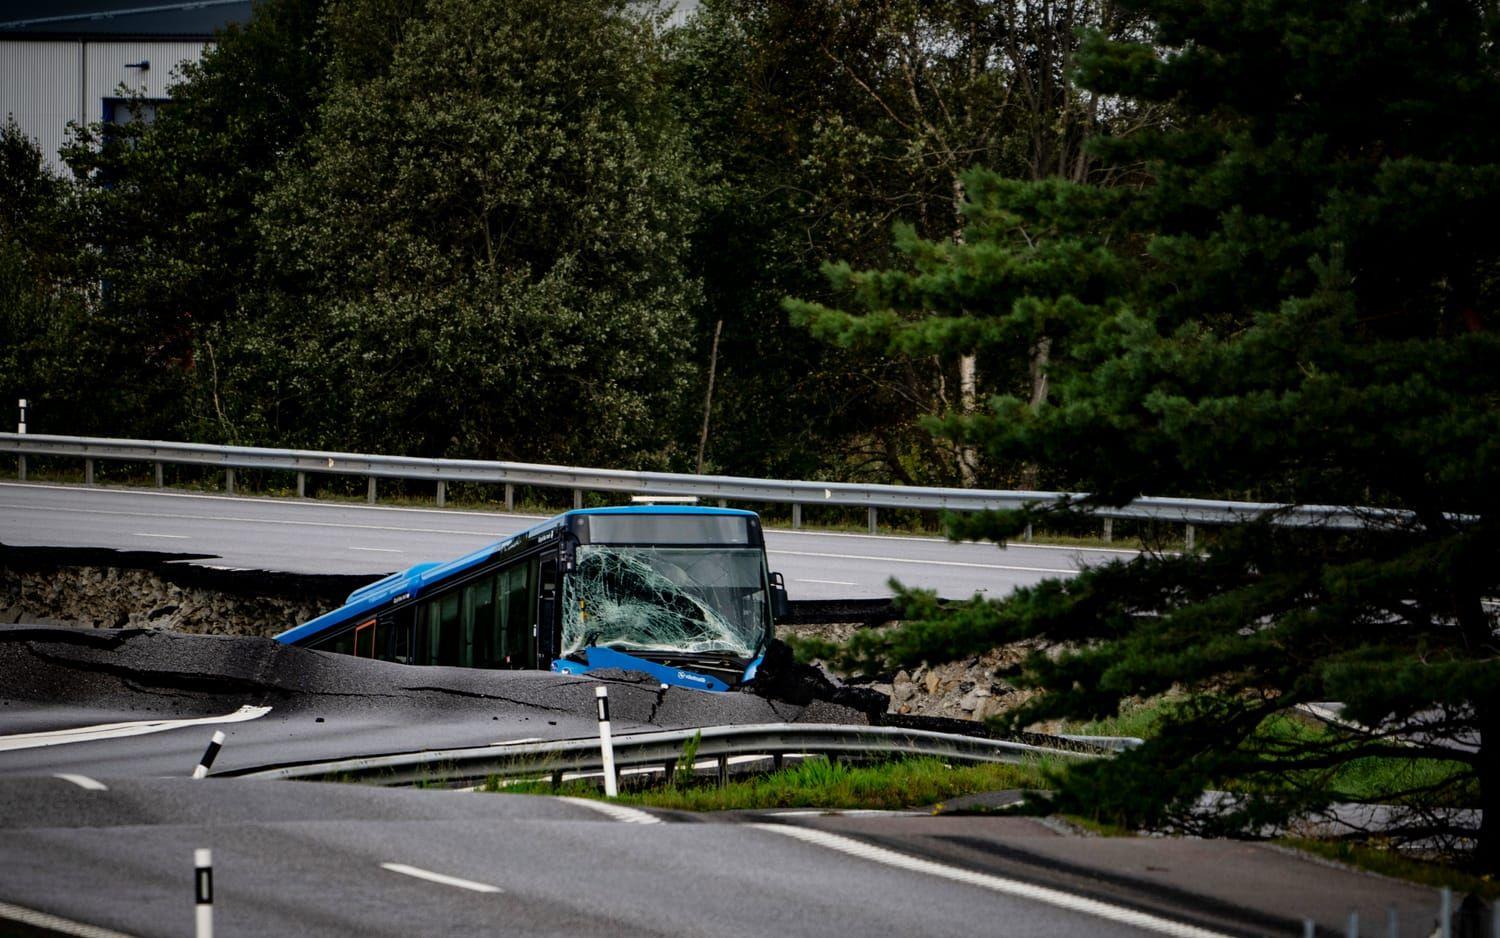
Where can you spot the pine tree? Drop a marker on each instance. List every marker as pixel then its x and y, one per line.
pixel 1300 306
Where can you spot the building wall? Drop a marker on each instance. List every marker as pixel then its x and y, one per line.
pixel 44 84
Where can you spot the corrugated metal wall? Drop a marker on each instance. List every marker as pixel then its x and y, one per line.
pixel 44 84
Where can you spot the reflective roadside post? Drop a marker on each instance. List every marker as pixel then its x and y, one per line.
pixel 21 430
pixel 203 892
pixel 606 743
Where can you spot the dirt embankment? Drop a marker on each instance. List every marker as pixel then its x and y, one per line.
pixel 120 590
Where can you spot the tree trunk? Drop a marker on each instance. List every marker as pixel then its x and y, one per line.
pixel 708 397
pixel 1487 849
pixel 968 383
pixel 1041 354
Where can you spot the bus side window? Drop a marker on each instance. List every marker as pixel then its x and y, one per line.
pixel 397 628
pixel 443 629
pixel 478 623
pixel 364 639
pixel 519 586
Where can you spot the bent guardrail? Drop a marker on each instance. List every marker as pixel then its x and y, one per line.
pixel 1188 511
pixel 541 759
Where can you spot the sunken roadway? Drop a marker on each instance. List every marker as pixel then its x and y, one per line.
pixel 99 820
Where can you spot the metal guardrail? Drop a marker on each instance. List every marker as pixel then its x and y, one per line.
pixel 661 748
pixel 1189 511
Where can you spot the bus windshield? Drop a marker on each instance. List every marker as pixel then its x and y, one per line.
pixel 666 599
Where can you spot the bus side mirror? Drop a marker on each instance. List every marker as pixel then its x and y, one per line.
pixel 781 607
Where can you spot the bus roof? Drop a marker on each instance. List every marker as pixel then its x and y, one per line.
pixel 414 580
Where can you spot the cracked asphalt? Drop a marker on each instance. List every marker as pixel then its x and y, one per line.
pixel 322 706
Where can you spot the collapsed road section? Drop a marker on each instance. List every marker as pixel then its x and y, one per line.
pixel 322 706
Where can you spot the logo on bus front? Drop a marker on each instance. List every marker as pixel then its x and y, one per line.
pixel 690 676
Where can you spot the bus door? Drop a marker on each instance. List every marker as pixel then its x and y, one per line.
pixel 545 630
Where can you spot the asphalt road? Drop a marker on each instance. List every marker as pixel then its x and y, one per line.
pixel 292 858
pixel 100 729
pixel 302 859
pixel 299 536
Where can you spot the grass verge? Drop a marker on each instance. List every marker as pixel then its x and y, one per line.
pixel 819 783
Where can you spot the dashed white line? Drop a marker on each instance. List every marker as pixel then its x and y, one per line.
pixel 83 734
pixel 826 582
pixel 379 550
pixel 1011 887
pixel 82 781
pixel 175 537
pixel 617 812
pixel 35 919
pixel 239 519
pixel 419 873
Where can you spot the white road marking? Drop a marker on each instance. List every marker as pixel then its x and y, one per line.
pixel 432 877
pixel 240 519
pixel 517 742
pixel 450 512
pixel 82 781
pixel 83 734
pixel 380 550
pixel 175 537
pixel 931 563
pixel 616 812
pixel 242 499
pixel 32 917
pixel 1011 887
pixel 827 582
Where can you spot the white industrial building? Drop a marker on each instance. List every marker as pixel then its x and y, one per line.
pixel 77 61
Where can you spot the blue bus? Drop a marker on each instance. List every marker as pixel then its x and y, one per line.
pixel 679 592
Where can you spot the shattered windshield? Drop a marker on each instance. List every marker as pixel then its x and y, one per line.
pixel 665 599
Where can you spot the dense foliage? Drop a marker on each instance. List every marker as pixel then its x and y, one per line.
pixel 424 227
pixel 1302 305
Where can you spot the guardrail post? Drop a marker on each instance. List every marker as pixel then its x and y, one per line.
pixel 872 519
pixel 796 515
pixel 88 472
pixel 723 771
pixel 1188 537
pixel 370 491
pixel 301 485
pixel 1027 536
pixel 1109 530
pixel 578 498
pixel 21 467
pixel 229 481
pixel 157 472
pixel 510 497
pixel 442 493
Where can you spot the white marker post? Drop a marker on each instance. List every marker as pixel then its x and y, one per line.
pixel 21 429
pixel 203 890
pixel 209 754
pixel 606 743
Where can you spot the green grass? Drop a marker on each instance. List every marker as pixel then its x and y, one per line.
pixel 1371 779
pixel 819 783
pixel 1388 862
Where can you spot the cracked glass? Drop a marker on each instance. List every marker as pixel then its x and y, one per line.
pixel 665 599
